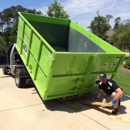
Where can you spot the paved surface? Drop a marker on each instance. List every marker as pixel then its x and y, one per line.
pixel 22 109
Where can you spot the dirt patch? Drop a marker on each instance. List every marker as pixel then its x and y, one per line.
pixel 124 69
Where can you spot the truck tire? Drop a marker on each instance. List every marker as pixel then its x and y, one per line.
pixel 5 72
pixel 19 81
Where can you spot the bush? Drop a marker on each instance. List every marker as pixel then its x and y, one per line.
pixel 124 59
pixel 127 63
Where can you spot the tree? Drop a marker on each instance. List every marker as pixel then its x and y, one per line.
pixel 6 35
pixel 108 18
pixel 33 11
pixel 9 22
pixel 1 23
pixel 57 10
pixel 10 15
pixel 122 35
pixel 2 41
pixel 13 33
pixel 117 23
pixel 99 26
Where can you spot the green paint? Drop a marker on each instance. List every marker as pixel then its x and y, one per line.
pixel 62 58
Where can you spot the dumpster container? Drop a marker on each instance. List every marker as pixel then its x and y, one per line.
pixel 62 58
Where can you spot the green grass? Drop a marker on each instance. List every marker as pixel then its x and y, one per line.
pixel 123 80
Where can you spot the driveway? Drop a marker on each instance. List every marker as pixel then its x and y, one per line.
pixel 22 109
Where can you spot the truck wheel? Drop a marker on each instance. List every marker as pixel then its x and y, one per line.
pixel 20 82
pixel 5 72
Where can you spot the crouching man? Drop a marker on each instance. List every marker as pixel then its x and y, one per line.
pixel 112 90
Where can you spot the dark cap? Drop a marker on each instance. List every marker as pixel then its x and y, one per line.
pixel 103 75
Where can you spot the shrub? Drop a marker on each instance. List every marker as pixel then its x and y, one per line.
pixel 127 63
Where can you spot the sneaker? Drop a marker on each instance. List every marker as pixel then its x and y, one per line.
pixel 115 111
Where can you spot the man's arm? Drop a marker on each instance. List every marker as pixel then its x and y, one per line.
pixel 99 93
pixel 117 90
pixel 119 94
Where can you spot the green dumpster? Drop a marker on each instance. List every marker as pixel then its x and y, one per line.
pixel 62 58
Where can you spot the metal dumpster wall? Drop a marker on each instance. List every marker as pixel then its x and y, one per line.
pixel 92 42
pixel 67 75
pixel 80 43
pixel 102 63
pixel 75 74
pixel 61 74
pixel 36 55
pixel 55 34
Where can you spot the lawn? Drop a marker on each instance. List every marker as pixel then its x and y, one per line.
pixel 123 80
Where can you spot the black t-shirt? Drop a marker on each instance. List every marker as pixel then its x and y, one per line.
pixel 109 87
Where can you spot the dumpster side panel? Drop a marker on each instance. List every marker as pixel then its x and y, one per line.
pixel 78 72
pixel 36 56
pixel 68 74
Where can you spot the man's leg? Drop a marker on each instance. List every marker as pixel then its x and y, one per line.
pixel 108 98
pixel 117 101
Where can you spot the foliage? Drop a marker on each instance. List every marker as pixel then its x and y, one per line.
pixel 127 63
pixel 108 18
pixel 100 25
pixel 2 41
pixel 57 10
pixel 9 21
pixel 117 23
pixel 13 31
pixel 122 35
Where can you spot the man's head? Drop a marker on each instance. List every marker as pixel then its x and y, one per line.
pixel 103 78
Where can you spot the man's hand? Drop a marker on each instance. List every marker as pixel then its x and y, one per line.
pixel 112 102
pixel 96 99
